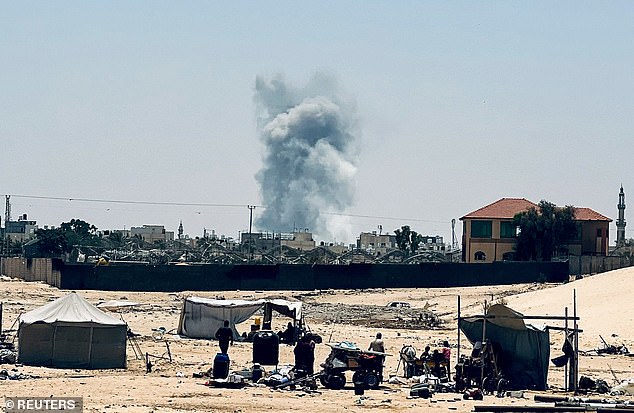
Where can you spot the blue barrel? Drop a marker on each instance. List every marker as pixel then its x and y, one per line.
pixel 266 348
pixel 221 366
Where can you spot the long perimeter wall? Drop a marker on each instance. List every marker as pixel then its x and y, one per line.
pixel 214 277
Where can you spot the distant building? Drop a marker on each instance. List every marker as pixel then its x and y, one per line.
pixel 300 241
pixel 435 243
pixel 152 233
pixel 377 244
pixel 489 234
pixel 21 230
pixel 265 241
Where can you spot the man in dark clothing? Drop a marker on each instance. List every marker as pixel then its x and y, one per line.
pixel 305 355
pixel 224 335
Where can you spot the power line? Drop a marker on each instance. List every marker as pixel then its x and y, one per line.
pixel 118 201
pixel 211 205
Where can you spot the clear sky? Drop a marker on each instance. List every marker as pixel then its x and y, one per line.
pixel 458 104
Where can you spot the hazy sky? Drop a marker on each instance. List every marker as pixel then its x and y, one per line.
pixel 458 104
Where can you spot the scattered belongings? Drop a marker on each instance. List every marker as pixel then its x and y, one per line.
pixel 423 390
pixel 7 356
pixel 612 349
pixel 473 393
pixel 233 381
pixel 625 388
pixel 587 384
pixel 14 374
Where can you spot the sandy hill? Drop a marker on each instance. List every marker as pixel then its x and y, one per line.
pixel 605 304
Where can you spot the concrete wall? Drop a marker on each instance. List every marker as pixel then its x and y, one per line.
pixel 214 277
pixel 47 270
pixel 591 264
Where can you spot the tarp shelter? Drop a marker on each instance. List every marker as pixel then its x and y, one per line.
pixel 71 333
pixel 202 317
pixel 523 349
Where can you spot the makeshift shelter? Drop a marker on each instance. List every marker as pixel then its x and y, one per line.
pixel 202 317
pixel 523 350
pixel 71 333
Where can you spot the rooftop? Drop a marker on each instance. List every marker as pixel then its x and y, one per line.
pixel 506 208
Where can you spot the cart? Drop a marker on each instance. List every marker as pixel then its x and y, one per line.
pixel 366 365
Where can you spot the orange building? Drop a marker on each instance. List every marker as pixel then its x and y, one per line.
pixel 488 233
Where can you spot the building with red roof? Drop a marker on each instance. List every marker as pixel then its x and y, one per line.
pixel 488 233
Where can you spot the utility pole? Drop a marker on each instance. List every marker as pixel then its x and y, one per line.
pixel 251 208
pixel 7 218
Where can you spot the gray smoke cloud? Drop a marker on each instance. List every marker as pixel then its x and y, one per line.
pixel 309 164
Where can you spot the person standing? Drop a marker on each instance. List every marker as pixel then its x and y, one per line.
pixel 305 355
pixel 377 344
pixel 446 352
pixel 224 335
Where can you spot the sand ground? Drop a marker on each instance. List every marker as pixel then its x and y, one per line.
pixel 604 304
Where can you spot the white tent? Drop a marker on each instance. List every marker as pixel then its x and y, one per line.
pixel 202 317
pixel 71 333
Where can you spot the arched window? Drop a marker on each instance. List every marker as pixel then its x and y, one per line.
pixel 508 256
pixel 480 256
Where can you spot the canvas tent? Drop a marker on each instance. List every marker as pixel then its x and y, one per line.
pixel 523 349
pixel 71 333
pixel 202 317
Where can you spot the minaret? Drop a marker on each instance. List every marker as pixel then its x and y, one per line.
pixel 620 223
pixel 180 230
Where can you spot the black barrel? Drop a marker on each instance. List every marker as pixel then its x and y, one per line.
pixel 221 366
pixel 266 348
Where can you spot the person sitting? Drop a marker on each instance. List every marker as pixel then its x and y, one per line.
pixel 426 355
pixel 438 359
pixel 287 336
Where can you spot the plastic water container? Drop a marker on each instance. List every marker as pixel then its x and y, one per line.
pixel 221 366
pixel 266 348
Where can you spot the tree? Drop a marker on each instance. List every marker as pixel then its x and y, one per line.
pixel 52 242
pixel 544 230
pixel 78 232
pixel 57 241
pixel 407 240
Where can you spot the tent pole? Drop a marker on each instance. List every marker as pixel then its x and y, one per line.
pixel 484 333
pixel 576 361
pixel 565 340
pixel 53 350
pixel 90 346
pixel 458 352
pixel 566 381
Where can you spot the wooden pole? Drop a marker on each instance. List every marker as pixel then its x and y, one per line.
pixel 565 339
pixel 576 334
pixel 458 351
pixel 484 334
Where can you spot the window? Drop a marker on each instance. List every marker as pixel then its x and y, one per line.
pixel 508 256
pixel 507 229
pixel 481 229
pixel 599 232
pixel 480 256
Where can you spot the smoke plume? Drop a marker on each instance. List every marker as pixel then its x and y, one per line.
pixel 309 135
